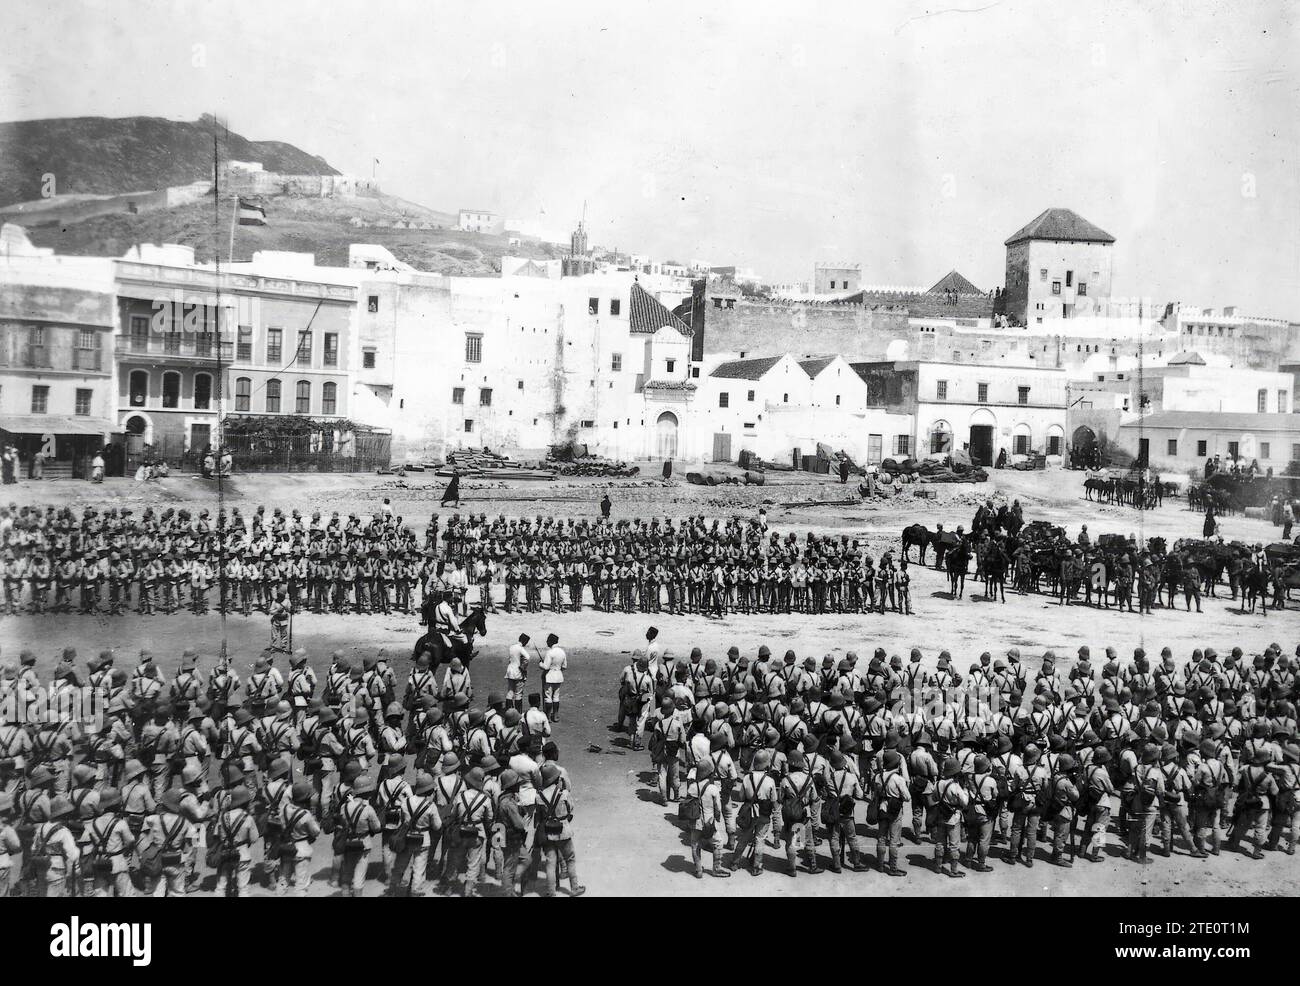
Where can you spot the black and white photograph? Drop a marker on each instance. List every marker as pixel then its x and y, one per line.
pixel 647 450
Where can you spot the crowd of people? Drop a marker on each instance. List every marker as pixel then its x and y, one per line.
pixel 650 566
pixel 112 561
pixel 795 755
pixel 215 779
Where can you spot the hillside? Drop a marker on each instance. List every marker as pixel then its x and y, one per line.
pixel 310 225
pixel 97 155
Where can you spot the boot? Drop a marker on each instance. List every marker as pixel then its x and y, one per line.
pixel 720 871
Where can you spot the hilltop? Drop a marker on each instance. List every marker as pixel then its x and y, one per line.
pixel 95 155
pixel 323 226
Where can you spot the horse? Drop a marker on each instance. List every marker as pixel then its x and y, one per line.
pixel 957 561
pixel 995 573
pixel 1254 590
pixel 916 534
pixel 1104 488
pixel 474 625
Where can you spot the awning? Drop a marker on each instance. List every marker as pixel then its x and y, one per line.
pixel 56 424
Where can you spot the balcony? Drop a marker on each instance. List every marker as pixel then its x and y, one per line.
pixel 179 346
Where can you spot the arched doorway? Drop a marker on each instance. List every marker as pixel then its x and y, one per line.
pixel 139 433
pixel 666 435
pixel 1085 453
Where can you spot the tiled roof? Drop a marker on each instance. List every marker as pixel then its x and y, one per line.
pixel 812 367
pixel 746 369
pixel 647 315
pixel 1060 224
pixel 1219 421
pixel 952 281
pixel 1187 359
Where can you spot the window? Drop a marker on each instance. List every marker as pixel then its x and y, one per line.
pixel 749 396
pixel 724 400
pixel 593 306
pixel 519 385
pixel 1069 278
pixel 40 399
pixel 1172 447
pixel 1053 444
pixel 485 397
pixel 244 344
pixel 1056 287
pixel 87 355
pixel 1083 288
pixel 331 349
pixel 615 306
pixel 243 394
pixel 983 393
pixel 616 362
pixel 329 398
pixel 586 423
pixel 140 333
pixel 469 426
pixel 273 397
pixel 473 347
pixel 273 345
pixel 138 388
pixel 458 395
pixel 1023 393
pixel 1264 449
pixel 202 391
pixel 1042 273
pixel 1020 444
pixel 1295 450
pixel 83 401
pixel 670 365
pixel 372 303
pixel 837 400
pixel 368 359
pixel 1261 400
pixel 749 426
pixel 941 390
pixel 1200 448
pixel 171 390
pixel 304 346
pixel 1281 402
pixel 695 372
pixel 785 398
pixel 302 397
pixel 902 444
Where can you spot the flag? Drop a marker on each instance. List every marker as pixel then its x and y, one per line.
pixel 251 214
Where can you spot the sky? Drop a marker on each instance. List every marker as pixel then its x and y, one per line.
pixel 912 139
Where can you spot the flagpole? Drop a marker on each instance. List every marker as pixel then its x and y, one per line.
pixel 234 217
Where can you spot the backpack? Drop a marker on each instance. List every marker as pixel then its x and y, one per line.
pixel 552 824
pixel 838 806
pixel 101 860
pixel 351 841
pixel 446 810
pixel 793 810
pixel 157 855
pixel 288 849
pixel 40 857
pixel 691 809
pixel 405 836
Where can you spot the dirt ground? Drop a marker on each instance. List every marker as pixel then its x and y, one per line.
pixel 627 843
